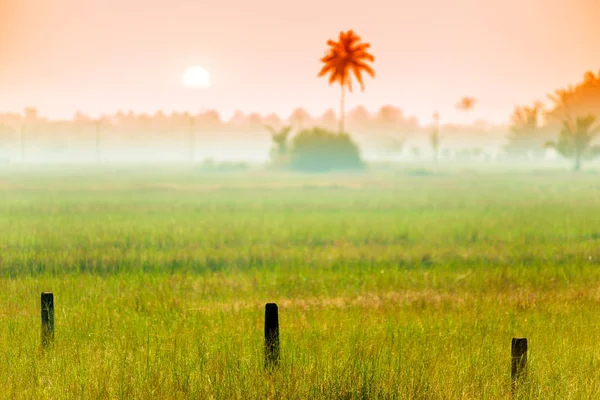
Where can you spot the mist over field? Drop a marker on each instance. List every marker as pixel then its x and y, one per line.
pixel 385 136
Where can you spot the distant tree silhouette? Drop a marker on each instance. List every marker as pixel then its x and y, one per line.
pixel 238 119
pixel 389 115
pixel 319 150
pixel 359 117
pixel 582 98
pixel 273 120
pixel 575 140
pixel 299 118
pixel 392 120
pixel 466 104
pixel 527 135
pixel 31 114
pixel 280 141
pixel 209 121
pixel 346 56
pixel 328 119
pixel 254 122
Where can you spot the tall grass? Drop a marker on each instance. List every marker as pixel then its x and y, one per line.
pixel 388 285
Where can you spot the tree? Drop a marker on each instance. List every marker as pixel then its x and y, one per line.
pixel 209 121
pixel 575 140
pixel 434 137
pixel 359 117
pixel 254 122
pixel 527 135
pixel 328 119
pixel 237 120
pixel 466 104
pixel 346 56
pixel 319 150
pixel 280 140
pixel 273 120
pixel 582 98
pixel 299 117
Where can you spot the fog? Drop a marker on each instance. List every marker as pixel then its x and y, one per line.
pixel 32 139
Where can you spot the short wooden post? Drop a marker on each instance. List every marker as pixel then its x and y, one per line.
pixel 47 318
pixel 271 335
pixel 518 360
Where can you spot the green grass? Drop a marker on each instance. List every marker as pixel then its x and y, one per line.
pixel 389 285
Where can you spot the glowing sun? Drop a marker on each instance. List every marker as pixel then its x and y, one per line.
pixel 196 77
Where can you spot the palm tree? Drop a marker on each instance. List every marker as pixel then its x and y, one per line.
pixel 466 104
pixel 575 140
pixel 346 56
pixel 434 137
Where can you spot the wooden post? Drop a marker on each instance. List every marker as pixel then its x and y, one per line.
pixel 47 318
pixel 518 360
pixel 271 335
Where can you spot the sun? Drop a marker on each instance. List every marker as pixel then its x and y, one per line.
pixel 196 77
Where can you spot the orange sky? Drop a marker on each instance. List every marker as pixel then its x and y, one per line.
pixel 105 55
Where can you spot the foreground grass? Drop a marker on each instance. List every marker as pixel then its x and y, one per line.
pixel 389 286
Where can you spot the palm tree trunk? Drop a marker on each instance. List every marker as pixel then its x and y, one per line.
pixel 341 129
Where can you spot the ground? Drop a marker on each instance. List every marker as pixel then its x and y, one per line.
pixel 392 283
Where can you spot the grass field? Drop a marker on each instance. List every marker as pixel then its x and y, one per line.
pixel 392 284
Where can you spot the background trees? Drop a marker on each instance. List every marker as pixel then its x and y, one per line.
pixel 575 140
pixel 527 135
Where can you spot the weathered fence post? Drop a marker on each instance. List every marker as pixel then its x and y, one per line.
pixel 47 318
pixel 271 335
pixel 518 360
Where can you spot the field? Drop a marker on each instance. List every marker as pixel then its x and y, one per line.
pixel 390 284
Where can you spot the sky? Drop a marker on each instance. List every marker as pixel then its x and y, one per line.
pixel 101 56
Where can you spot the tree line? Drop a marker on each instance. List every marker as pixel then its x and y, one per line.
pixel 568 126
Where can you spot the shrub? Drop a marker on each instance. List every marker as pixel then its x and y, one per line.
pixel 319 150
